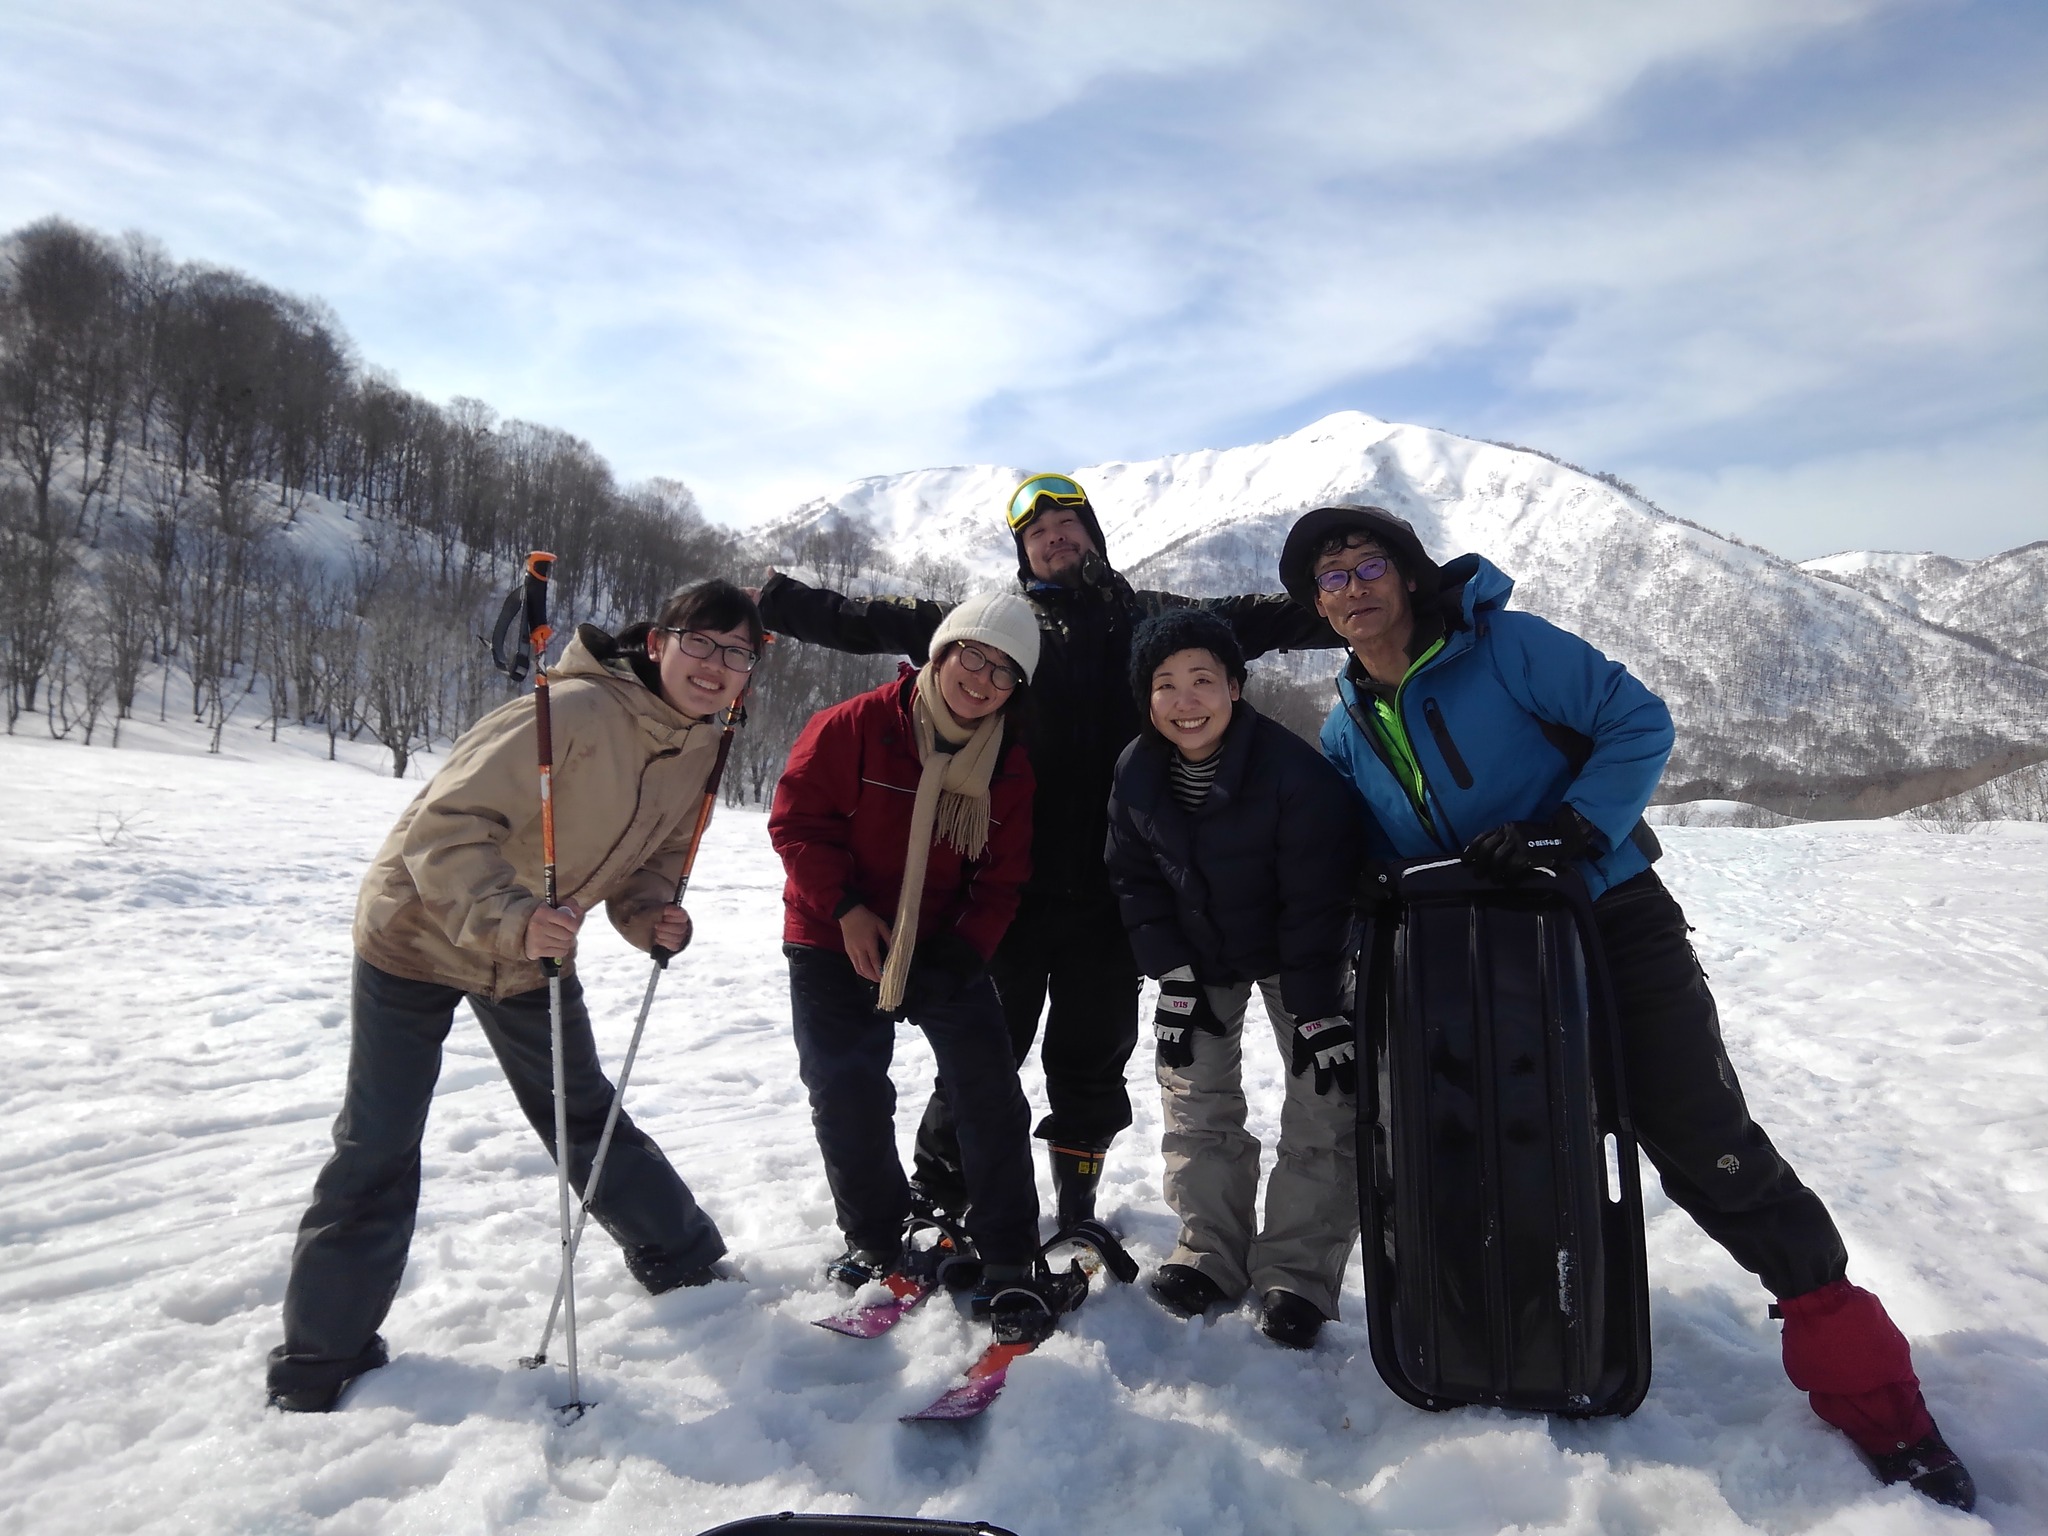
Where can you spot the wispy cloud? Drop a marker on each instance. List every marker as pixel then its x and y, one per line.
pixel 771 247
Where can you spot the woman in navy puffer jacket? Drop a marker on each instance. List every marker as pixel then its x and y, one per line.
pixel 1234 849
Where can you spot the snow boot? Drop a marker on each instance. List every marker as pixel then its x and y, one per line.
pixel 654 1269
pixel 1289 1320
pixel 1185 1291
pixel 1931 1468
pixel 860 1266
pixel 1026 1301
pixel 1076 1172
pixel 1855 1367
pixel 315 1386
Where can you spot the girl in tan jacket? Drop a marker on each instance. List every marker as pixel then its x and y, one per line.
pixel 449 910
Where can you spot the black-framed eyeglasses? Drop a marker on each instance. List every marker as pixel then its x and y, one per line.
pixel 696 643
pixel 974 659
pixel 1371 568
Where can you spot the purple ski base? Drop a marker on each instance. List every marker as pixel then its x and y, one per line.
pixel 878 1317
pixel 983 1383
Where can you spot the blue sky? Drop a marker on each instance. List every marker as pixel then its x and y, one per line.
pixel 1778 262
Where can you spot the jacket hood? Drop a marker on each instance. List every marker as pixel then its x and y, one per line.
pixel 1470 583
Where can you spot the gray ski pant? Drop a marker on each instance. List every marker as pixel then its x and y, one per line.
pixel 350 1254
pixel 1212 1166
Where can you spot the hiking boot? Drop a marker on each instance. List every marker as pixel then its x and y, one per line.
pixel 1185 1291
pixel 1932 1469
pixel 1026 1301
pixel 1289 1320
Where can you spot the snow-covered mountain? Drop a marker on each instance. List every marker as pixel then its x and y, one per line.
pixel 2003 597
pixel 1791 688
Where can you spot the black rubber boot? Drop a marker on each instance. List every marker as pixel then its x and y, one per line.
pixel 1076 1171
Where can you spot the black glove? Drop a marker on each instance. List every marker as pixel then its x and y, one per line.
pixel 1331 1047
pixel 1514 850
pixel 1183 1007
pixel 941 968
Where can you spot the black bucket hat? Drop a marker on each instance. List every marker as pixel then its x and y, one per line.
pixel 1395 534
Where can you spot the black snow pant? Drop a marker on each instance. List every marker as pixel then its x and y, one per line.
pixel 1073 951
pixel 353 1238
pixel 843 1047
pixel 1717 1164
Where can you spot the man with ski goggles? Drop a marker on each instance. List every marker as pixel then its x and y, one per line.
pixel 1066 955
pixel 1474 731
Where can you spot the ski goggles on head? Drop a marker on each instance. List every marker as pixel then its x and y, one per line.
pixel 1030 498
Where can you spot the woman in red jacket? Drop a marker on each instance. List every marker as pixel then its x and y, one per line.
pixel 904 821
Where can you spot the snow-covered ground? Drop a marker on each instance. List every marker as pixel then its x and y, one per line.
pixel 173 985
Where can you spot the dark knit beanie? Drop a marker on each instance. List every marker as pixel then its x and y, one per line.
pixel 1181 629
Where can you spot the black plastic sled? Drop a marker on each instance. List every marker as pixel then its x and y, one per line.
pixel 1501 1211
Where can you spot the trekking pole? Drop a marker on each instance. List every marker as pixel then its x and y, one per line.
pixel 735 715
pixel 539 566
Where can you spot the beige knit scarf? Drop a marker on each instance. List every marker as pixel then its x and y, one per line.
pixel 951 803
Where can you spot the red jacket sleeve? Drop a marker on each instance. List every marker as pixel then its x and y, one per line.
pixel 811 821
pixel 1005 865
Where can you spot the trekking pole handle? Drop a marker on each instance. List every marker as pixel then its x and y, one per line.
pixel 540 565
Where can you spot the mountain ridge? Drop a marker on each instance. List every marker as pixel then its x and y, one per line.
pixel 1814 692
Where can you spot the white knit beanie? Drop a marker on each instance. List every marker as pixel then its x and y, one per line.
pixel 1001 619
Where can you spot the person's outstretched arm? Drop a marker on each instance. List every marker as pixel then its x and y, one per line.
pixel 1262 621
pixel 866 626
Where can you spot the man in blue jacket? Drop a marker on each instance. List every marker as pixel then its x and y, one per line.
pixel 1472 730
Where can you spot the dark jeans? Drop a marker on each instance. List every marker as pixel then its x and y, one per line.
pixel 353 1238
pixel 1717 1164
pixel 1074 952
pixel 843 1048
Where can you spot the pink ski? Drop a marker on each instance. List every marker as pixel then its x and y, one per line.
pixel 983 1381
pixel 878 1317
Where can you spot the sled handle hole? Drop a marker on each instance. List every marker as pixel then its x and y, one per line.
pixel 1613 1169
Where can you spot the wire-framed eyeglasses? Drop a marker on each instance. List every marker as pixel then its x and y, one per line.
pixel 1371 568
pixel 696 643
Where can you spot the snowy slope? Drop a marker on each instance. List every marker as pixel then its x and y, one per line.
pixel 174 987
pixel 1772 671
pixel 2002 597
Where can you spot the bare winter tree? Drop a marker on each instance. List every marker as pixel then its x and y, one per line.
pixel 400 666
pixel 82 672
pixel 39 578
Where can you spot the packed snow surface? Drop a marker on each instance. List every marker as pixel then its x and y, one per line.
pixel 175 985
